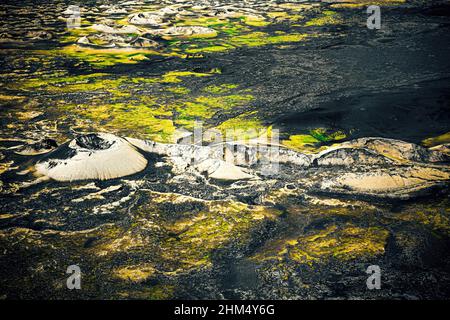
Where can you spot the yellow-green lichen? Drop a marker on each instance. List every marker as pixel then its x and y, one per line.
pixel 171 77
pixel 105 57
pixel 209 49
pixel 223 222
pixel 442 139
pixel 178 90
pixel 243 127
pixel 252 39
pixel 328 18
pixel 136 273
pixel 9 98
pixel 347 242
pixel 313 142
pixel 256 39
pixel 195 110
pixel 284 16
pixel 255 21
pixel 148 120
pixel 218 89
pixel 156 292
pixel 324 135
pixel 87 82
pixel 433 215
pixel 204 107
pixel 364 3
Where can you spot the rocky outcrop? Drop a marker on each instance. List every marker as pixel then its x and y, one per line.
pixel 222 170
pixel 93 156
pixel 146 18
pixel 397 150
pixel 371 167
pixel 394 182
pixel 107 40
pixel 189 31
pixel 116 30
pixel 36 148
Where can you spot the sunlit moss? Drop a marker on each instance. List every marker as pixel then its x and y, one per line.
pixel 433 215
pixel 143 115
pixel 178 90
pixel 195 110
pixel 300 142
pixel 115 240
pixel 27 115
pixel 204 107
pixel 222 88
pixel 364 3
pixel 174 76
pixel 119 94
pixel 156 292
pixel 222 25
pixel 160 292
pixel 442 139
pixel 106 57
pixel 93 81
pixel 5 166
pixel 225 102
pixel 284 16
pixel 278 14
pixel 210 22
pixel 224 222
pixel 327 18
pixel 171 77
pixel 210 49
pixel 8 98
pixel 142 119
pixel 211 34
pixel 135 273
pixel 74 34
pixel 215 71
pixel 256 39
pixel 324 135
pixel 255 21
pixel 192 241
pixel 103 85
pixel 298 6
pixel 243 127
pixel 344 243
pixel 312 142
pixel 233 29
pixel 252 39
